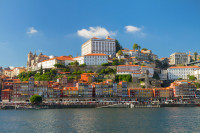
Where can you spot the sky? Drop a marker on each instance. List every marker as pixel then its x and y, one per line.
pixel 60 27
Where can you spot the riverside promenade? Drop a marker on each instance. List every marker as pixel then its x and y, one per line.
pixel 64 105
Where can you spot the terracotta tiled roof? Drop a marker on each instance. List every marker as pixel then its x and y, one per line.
pixel 95 38
pixel 45 56
pixel 110 39
pixel 78 56
pixel 184 67
pixel 7 90
pixel 128 65
pixel 60 58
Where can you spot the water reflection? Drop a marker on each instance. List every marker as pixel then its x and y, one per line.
pixel 101 120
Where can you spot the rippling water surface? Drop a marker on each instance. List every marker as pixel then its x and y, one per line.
pixel 101 120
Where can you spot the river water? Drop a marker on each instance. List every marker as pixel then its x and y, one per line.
pixel 174 119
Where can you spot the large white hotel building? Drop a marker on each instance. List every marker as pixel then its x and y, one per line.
pixel 96 45
pixel 177 72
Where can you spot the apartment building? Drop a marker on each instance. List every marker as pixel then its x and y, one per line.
pixel 179 58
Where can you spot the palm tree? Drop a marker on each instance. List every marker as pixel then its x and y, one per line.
pixel 135 46
pixel 195 56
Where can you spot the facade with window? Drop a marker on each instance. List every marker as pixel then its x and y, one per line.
pixel 95 59
pixel 97 45
pixel 181 72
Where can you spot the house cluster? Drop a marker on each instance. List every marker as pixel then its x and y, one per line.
pixel 12 72
pixel 177 89
pixel 16 90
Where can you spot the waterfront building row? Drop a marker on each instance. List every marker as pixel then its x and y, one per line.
pixel 15 90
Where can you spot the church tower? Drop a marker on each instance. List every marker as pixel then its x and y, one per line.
pixel 30 57
pixel 189 57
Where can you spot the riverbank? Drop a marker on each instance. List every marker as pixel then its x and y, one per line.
pixel 119 105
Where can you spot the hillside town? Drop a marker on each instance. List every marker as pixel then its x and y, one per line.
pixel 105 71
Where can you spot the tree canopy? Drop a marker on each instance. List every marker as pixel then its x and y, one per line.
pixel 36 99
pixel 124 77
pixel 59 65
pixel 195 56
pixel 120 52
pixel 118 46
pixel 192 77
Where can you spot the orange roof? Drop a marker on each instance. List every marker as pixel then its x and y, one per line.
pixel 110 38
pixel 136 73
pixel 185 67
pixel 7 90
pixel 78 56
pixel 63 72
pixel 128 65
pixel 146 66
pixel 95 38
pixel 64 58
pixel 96 54
pixel 70 88
pixel 56 88
pixel 45 56
pixel 60 58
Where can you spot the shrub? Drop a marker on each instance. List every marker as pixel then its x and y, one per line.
pixel 36 99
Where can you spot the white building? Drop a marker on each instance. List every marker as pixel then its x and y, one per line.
pixel 48 64
pixel 97 45
pixel 163 75
pixel 17 70
pixel 175 73
pixel 95 59
pixel 134 70
pixel 179 58
pixel 79 59
pixel 197 74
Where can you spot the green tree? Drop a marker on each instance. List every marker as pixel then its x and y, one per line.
pixel 36 99
pixel 89 71
pixel 118 46
pixel 135 46
pixel 66 70
pixel 82 65
pixel 195 56
pixel 41 70
pixel 115 62
pixel 192 77
pixel 105 64
pixel 144 49
pixel 71 55
pixel 120 52
pixel 139 47
pixel 59 65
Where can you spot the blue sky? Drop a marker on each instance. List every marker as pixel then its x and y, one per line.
pixel 60 27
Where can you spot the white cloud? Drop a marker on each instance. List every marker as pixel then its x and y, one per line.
pixel 132 29
pixel 94 32
pixel 31 31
